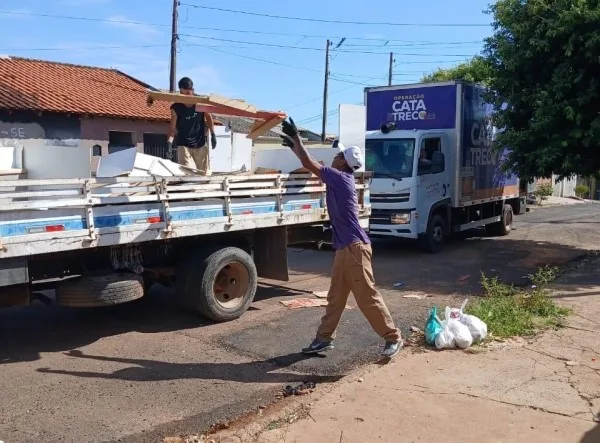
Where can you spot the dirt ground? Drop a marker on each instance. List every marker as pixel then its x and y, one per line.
pixel 146 370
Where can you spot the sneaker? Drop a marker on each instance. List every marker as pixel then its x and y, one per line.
pixel 390 349
pixel 318 346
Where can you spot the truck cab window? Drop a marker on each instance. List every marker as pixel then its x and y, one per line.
pixel 431 159
pixel 390 158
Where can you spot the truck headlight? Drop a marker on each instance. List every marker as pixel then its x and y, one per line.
pixel 400 219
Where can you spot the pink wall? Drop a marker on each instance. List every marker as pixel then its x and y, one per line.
pixel 94 131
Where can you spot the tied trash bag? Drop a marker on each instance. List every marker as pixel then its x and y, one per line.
pixel 454 333
pixel 477 327
pixel 433 327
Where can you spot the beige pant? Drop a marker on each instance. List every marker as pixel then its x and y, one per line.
pixel 352 271
pixel 196 158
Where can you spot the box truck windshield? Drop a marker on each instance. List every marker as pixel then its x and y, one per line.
pixel 390 158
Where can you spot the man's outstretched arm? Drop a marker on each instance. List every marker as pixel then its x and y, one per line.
pixel 292 140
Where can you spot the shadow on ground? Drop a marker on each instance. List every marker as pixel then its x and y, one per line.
pixel 145 370
pixel 592 436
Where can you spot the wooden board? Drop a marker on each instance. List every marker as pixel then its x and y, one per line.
pixel 262 126
pixel 216 104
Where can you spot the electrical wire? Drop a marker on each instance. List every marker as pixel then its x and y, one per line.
pixel 307 48
pixel 343 22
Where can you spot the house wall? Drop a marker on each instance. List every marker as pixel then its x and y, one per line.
pixel 95 131
pixel 23 129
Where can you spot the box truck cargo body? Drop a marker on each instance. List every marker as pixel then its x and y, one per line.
pixel 436 172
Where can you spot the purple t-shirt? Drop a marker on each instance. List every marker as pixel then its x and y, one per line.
pixel 342 205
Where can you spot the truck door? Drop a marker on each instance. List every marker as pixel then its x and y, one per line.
pixel 433 184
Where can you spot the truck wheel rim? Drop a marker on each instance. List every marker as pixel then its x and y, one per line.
pixel 231 285
pixel 508 219
pixel 438 233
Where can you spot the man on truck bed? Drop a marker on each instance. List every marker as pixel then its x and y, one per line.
pixel 192 128
pixel 352 269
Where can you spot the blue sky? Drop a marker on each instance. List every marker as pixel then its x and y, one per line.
pixel 225 62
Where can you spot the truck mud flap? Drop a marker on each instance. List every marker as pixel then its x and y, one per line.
pixel 270 253
pixel 14 271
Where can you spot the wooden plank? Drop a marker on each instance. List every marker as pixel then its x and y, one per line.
pixel 231 103
pixel 212 100
pixel 260 127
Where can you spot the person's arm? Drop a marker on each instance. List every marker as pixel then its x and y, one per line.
pixel 211 127
pixel 172 127
pixel 292 140
pixel 171 135
pixel 305 158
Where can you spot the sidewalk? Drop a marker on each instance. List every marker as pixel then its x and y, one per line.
pixel 543 390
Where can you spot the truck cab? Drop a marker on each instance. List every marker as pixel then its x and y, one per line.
pixel 411 179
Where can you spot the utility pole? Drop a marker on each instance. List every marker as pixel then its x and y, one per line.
pixel 174 37
pixel 325 88
pixel 391 71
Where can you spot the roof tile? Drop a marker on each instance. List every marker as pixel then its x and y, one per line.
pixel 37 85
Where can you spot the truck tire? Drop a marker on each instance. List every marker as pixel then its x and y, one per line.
pixel 97 291
pixel 504 226
pixel 434 238
pixel 220 286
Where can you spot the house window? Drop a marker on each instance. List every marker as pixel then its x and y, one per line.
pixel 120 140
pixel 155 144
pixel 97 151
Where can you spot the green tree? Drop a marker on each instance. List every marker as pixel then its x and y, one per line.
pixel 475 70
pixel 544 57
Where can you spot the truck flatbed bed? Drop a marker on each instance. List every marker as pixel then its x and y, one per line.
pixel 48 216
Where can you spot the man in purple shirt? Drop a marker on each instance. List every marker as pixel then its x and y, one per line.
pixel 352 270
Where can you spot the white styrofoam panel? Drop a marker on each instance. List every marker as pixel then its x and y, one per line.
pixel 52 162
pixel 352 126
pixel 285 160
pixel 220 157
pixel 135 164
pixel 241 152
pixel 7 157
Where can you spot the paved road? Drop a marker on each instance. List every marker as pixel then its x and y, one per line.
pixel 138 372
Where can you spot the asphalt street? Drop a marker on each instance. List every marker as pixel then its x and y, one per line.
pixel 142 371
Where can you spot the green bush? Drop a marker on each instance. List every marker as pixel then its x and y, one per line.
pixel 582 191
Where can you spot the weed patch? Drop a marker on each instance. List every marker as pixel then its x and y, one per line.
pixel 510 311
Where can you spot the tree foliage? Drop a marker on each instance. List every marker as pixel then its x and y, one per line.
pixel 475 70
pixel 544 60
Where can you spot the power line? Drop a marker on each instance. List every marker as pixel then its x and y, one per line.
pixel 82 48
pixel 343 22
pixel 308 48
pixel 334 76
pixel 244 31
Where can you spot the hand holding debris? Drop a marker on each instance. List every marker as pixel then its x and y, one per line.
pixel 289 128
pixel 290 132
pixel 213 140
pixel 170 153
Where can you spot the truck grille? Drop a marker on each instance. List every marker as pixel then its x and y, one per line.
pixel 402 197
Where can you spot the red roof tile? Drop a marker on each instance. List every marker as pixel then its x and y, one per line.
pixel 36 85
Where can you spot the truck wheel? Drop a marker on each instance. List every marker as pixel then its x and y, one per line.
pixel 504 226
pixel 96 291
pixel 433 240
pixel 221 286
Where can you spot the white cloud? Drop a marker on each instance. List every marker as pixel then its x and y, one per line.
pixel 142 30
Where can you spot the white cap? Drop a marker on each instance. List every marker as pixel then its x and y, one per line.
pixel 352 155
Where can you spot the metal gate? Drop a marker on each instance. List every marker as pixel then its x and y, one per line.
pixel 156 145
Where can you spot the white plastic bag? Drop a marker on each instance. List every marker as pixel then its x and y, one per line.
pixel 454 333
pixel 477 327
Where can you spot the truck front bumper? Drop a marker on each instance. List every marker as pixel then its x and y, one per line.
pixel 393 223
